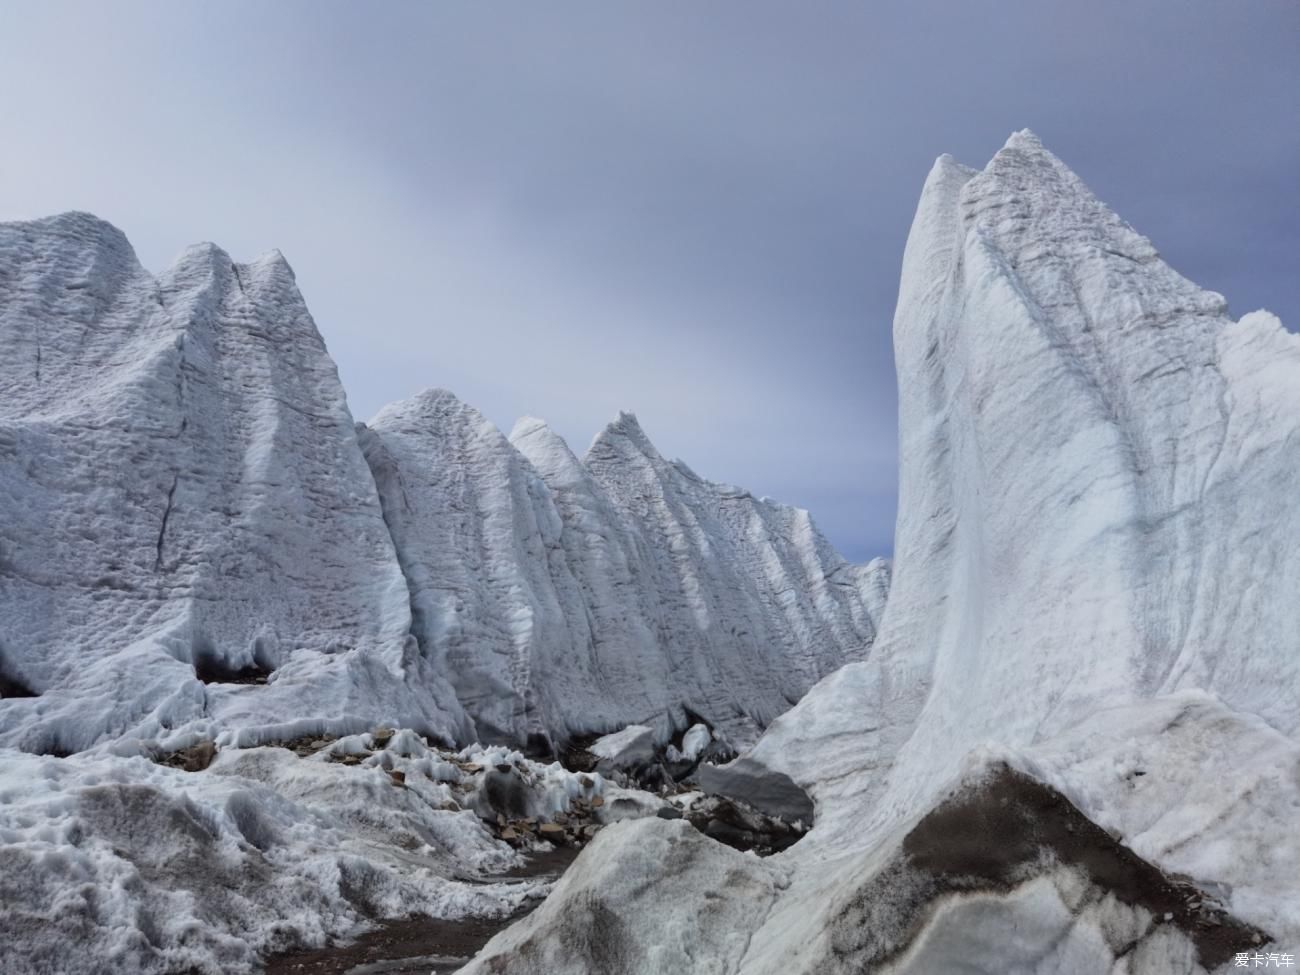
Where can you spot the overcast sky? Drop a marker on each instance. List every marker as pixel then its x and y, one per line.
pixel 693 211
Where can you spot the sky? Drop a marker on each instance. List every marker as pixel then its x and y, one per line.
pixel 693 211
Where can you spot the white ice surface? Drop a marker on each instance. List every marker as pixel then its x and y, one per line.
pixel 1095 569
pixel 558 605
pixel 119 865
pixel 694 742
pixel 181 484
pixel 635 743
pixel 184 493
pixel 183 489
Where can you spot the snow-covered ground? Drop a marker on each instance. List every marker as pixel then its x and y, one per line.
pixel 121 864
pixel 1096 560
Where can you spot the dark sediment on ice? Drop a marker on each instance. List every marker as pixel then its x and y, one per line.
pixel 420 945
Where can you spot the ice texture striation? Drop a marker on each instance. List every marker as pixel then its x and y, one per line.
pixel 197 537
pixel 1095 567
pixel 183 496
pixel 566 597
pixel 203 555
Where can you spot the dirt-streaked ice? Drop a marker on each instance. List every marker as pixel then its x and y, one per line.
pixel 1096 563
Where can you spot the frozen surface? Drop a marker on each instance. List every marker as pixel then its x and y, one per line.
pixel 559 604
pixel 200 549
pixel 182 492
pixel 119 865
pixel 755 605
pixel 193 540
pixel 597 919
pixel 694 742
pixel 1096 562
pixel 633 744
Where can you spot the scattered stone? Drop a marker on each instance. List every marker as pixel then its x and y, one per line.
pixel 351 759
pixel 551 831
pixel 509 835
pixel 193 759
pixel 473 768
pixel 450 805
pixel 382 736
pixel 598 801
pixel 740 825
pixel 399 778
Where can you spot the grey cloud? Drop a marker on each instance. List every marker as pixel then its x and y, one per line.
pixel 693 211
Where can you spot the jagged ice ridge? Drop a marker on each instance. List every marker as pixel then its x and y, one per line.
pixel 1090 625
pixel 186 495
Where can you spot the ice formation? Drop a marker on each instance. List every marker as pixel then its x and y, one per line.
pixel 1090 624
pixel 201 555
pixel 195 542
pixel 119 864
pixel 184 498
pixel 560 602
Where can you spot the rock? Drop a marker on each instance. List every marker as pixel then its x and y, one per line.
pixel 551 831
pixel 382 736
pixel 630 749
pixel 503 794
pixel 351 760
pixel 473 768
pixel 598 801
pixel 739 825
pixel 399 778
pixel 509 835
pixel 196 758
pixel 753 783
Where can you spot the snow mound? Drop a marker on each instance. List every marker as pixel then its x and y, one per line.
pixel 122 865
pixel 597 921
pixel 1092 588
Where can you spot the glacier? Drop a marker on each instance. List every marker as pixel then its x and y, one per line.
pixel 526 563
pixel 184 495
pixel 1057 734
pixel 200 541
pixel 1088 659
pixel 218 589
